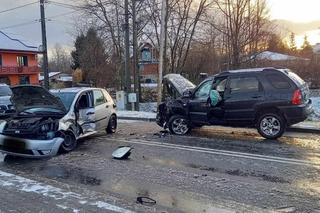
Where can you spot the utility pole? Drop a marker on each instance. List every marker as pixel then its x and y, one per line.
pixel 162 47
pixel 136 74
pixel 44 46
pixel 127 76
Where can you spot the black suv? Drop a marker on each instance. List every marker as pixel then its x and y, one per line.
pixel 268 98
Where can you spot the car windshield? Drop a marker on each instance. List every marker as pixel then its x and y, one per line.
pixel 5 91
pixel 66 98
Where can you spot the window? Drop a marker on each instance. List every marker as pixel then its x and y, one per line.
pixel 22 61
pixel 278 81
pixel 203 91
pixel 244 84
pixel 66 98
pixel 296 78
pixel 220 85
pixel 24 80
pixel 98 97
pixel 83 101
pixel 146 55
pixel 107 96
pixel 0 60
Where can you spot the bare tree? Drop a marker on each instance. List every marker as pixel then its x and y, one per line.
pixel 243 25
pixel 60 60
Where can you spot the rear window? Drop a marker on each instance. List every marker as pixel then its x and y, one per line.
pixel 278 81
pixel 296 78
pixel 244 84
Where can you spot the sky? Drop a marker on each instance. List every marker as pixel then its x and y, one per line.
pixel 60 27
pixel 295 10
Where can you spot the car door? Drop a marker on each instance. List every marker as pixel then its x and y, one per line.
pixel 101 109
pixel 243 94
pixel 85 112
pixel 216 113
pixel 198 104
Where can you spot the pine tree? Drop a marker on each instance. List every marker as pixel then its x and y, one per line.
pixel 292 43
pixel 306 50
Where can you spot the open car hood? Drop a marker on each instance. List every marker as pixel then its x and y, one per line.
pixel 27 97
pixel 176 84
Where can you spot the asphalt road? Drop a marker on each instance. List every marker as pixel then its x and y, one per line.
pixel 213 169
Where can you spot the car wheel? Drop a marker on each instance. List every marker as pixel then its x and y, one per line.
pixel 271 125
pixel 112 125
pixel 69 143
pixel 179 125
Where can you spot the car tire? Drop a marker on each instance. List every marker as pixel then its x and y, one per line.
pixel 112 125
pixel 179 125
pixel 271 125
pixel 69 143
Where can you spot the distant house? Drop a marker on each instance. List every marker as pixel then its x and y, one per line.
pixel 316 48
pixel 148 63
pixel 58 77
pixel 18 61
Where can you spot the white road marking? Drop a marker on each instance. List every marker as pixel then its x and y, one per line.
pixel 19 183
pixel 224 152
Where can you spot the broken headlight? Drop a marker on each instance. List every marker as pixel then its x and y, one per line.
pixel 48 129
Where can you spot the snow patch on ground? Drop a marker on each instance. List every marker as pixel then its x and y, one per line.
pixel 315 116
pixel 136 114
pixel 148 107
pixel 27 185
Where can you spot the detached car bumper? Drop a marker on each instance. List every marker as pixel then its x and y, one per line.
pixel 28 147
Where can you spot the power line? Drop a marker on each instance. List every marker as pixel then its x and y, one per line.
pixel 18 7
pixel 65 5
pixel 20 25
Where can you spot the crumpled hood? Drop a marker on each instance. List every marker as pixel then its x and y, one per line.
pixel 180 83
pixel 27 97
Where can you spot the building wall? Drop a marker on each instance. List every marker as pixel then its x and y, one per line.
pixel 10 59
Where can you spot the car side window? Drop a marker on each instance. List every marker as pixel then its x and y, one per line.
pixel 83 101
pixel 278 81
pixel 203 91
pixel 244 85
pixel 98 97
pixel 107 96
pixel 220 85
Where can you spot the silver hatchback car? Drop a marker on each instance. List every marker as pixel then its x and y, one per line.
pixel 46 122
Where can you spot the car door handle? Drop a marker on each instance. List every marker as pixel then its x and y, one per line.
pixel 90 113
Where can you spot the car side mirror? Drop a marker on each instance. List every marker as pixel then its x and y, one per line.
pixel 187 94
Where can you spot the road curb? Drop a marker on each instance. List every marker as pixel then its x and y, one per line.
pixel 304 130
pixel 137 119
pixel 290 129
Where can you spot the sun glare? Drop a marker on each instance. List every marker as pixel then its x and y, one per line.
pixel 295 10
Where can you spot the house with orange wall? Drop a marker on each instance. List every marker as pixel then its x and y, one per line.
pixel 18 62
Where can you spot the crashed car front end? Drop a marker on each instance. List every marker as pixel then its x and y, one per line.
pixel 176 88
pixel 30 137
pixel 35 129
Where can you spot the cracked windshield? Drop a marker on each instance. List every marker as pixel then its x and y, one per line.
pixel 159 106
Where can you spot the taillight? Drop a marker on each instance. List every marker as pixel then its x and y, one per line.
pixel 297 97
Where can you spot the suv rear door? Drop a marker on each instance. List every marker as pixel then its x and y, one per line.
pixel 243 93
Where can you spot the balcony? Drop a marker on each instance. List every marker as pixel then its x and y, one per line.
pixel 19 70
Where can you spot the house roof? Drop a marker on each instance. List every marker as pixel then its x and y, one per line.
pixel 11 44
pixel 316 48
pixel 274 56
pixel 51 74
